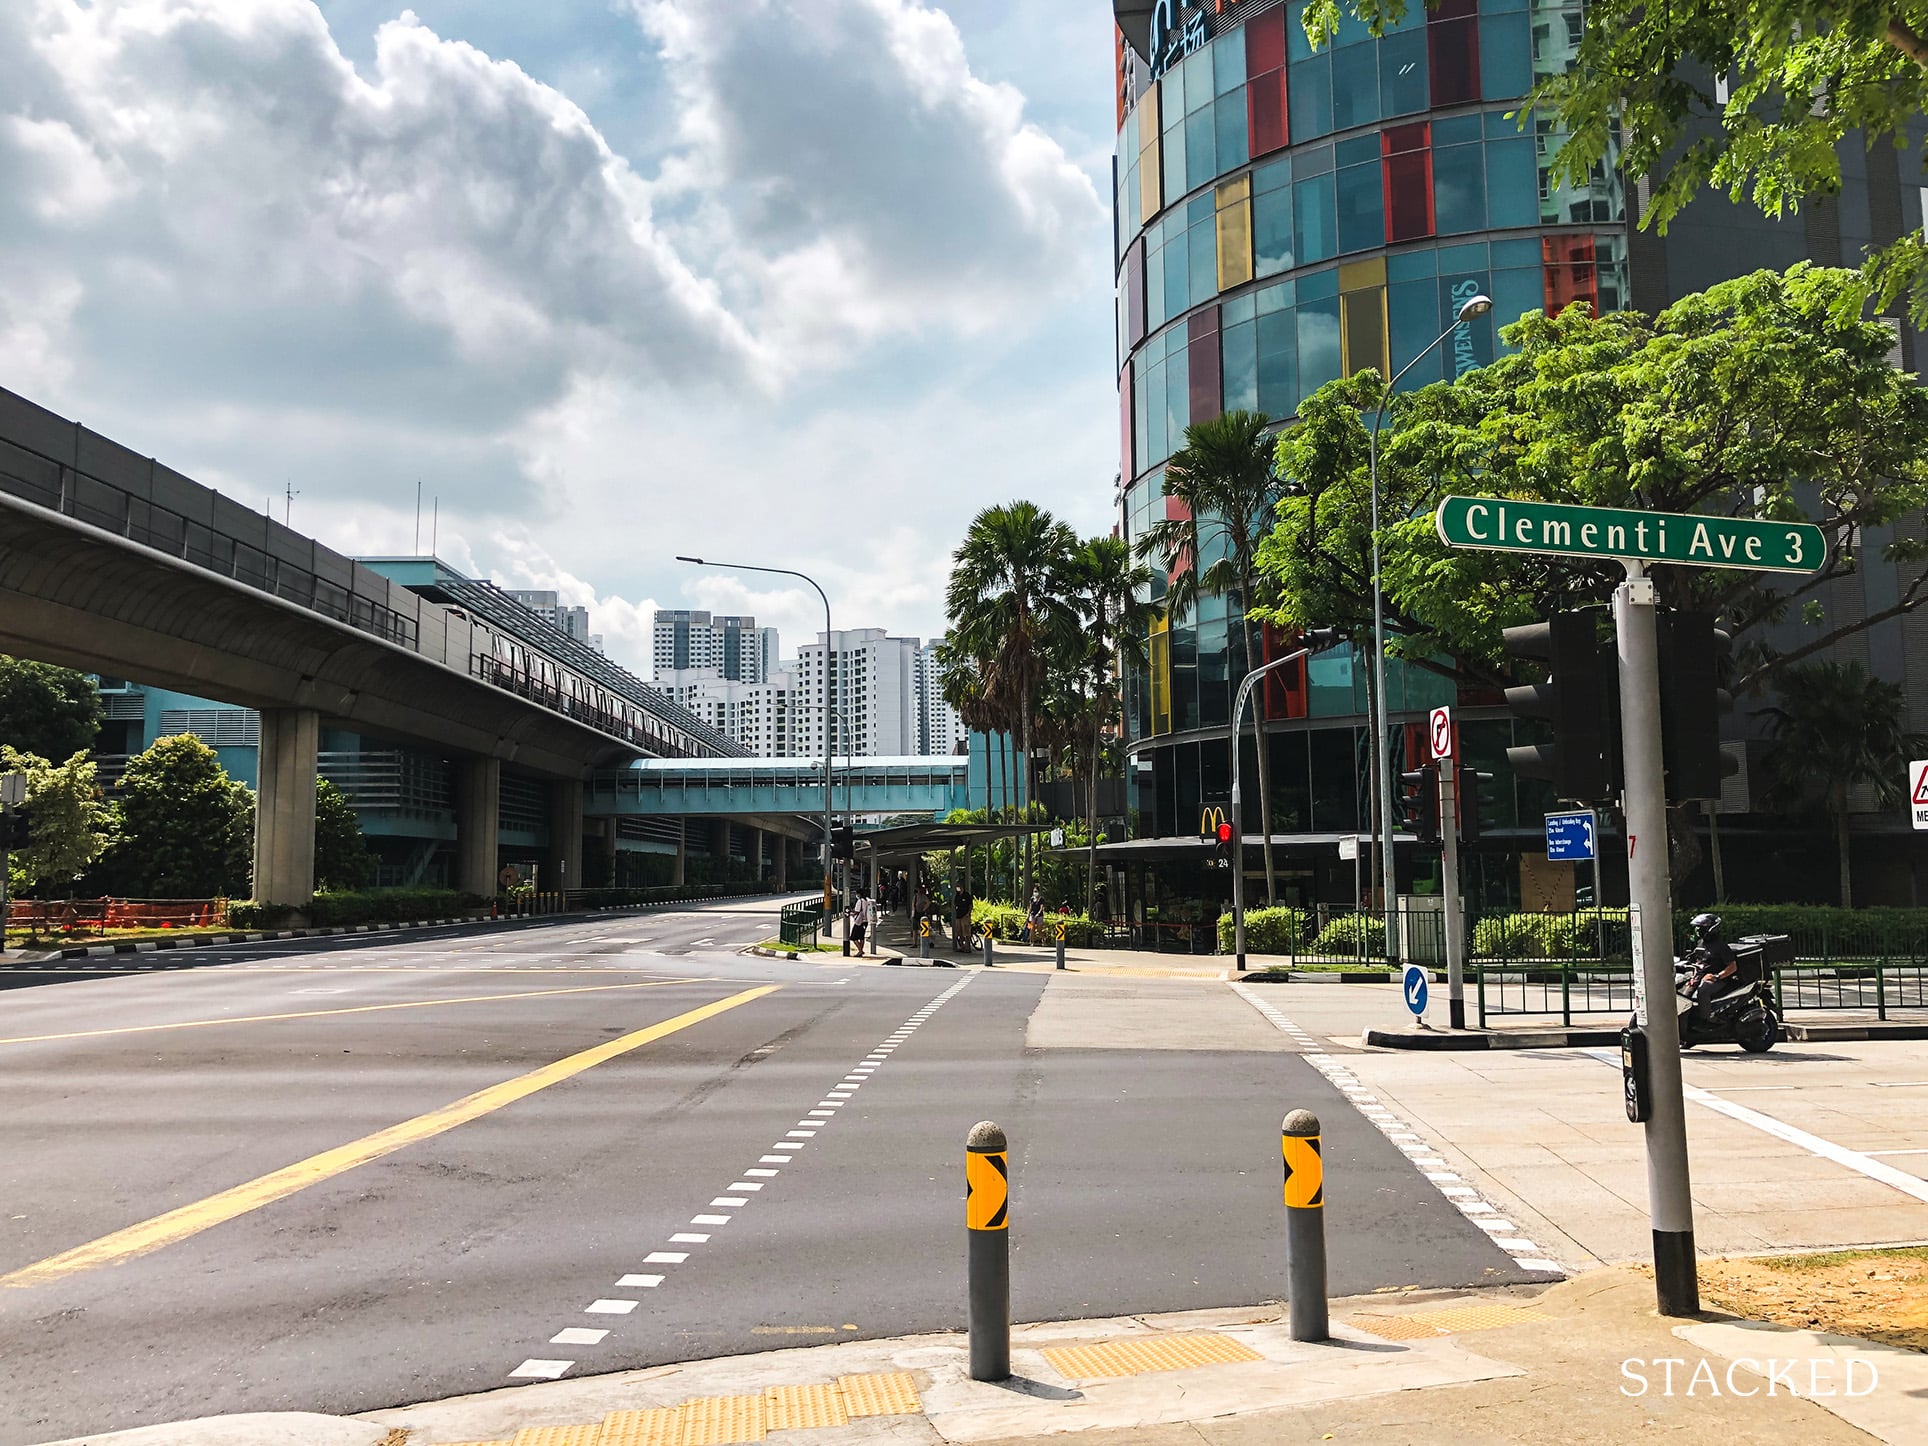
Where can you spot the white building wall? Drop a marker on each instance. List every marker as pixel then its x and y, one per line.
pixel 757 715
pixel 939 727
pixel 875 693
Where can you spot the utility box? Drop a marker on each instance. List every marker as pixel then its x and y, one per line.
pixel 1422 928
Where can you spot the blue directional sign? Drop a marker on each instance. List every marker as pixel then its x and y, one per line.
pixel 1571 836
pixel 1415 986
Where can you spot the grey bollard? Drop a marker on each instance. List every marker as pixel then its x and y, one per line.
pixel 1061 946
pixel 987 946
pixel 1305 1258
pixel 987 1219
pixel 924 938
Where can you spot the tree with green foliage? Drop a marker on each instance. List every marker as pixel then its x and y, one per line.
pixel 67 819
pixel 1644 95
pixel 47 711
pixel 1008 602
pixel 1767 396
pixel 1836 729
pixel 182 828
pixel 1113 591
pixel 1227 486
pixel 342 860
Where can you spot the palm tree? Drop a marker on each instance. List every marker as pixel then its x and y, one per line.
pixel 1224 480
pixel 1835 728
pixel 1008 600
pixel 1114 590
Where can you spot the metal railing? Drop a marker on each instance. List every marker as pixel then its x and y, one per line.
pixel 797 924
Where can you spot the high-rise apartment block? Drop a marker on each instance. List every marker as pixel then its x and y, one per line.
pixel 940 730
pixel 551 609
pixel 757 715
pixel 735 647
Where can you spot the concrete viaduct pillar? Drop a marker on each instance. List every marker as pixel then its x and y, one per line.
pixel 478 824
pixel 783 861
pixel 681 876
pixel 565 833
pixel 284 809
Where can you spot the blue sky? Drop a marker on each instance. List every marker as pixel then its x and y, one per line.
pixel 808 281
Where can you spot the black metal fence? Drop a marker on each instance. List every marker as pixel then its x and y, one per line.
pixel 797 924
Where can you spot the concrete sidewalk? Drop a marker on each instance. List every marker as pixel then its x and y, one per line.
pixel 1584 1360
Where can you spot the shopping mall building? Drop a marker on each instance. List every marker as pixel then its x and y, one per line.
pixel 1285 217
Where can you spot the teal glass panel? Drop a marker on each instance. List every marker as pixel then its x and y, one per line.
pixel 1459 189
pixel 1517 290
pixel 1237 309
pixel 1516 253
pixel 1410 265
pixel 1275 297
pixel 1272 232
pixel 1155 312
pixel 1355 87
pixel 1201 148
pixel 1157 423
pixel 1200 208
pixel 1512 183
pixel 1178 405
pixel 1198 80
pixel 1230 133
pixel 1177 275
pixel 1278 364
pixel 1413 323
pixel 1239 358
pixel 1171 93
pixel 1308 89
pixel 1403 88
pixel 1505 57
pixel 1272 176
pixel 1318 284
pixel 1315 229
pixel 1228 60
pixel 1362 208
pixel 1456 130
pixel 1173 144
pixel 1204 269
pixel 1319 358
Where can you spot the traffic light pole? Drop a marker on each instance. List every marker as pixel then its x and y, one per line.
pixel 1449 885
pixel 1649 889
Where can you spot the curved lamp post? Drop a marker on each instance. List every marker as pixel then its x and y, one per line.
pixel 1315 640
pixel 1382 748
pixel 829 736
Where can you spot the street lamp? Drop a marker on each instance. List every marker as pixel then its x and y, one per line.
pixel 829 742
pixel 1382 750
pixel 1315 640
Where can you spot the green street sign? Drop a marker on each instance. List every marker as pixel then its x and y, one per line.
pixel 1553 527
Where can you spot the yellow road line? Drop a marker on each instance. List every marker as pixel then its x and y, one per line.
pixel 189 1220
pixel 352 1009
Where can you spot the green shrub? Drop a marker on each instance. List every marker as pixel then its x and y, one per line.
pixel 1267 931
pixel 1006 921
pixel 1361 935
pixel 1510 936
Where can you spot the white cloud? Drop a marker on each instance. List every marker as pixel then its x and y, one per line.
pixel 819 321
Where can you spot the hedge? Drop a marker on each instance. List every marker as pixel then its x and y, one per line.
pixel 384 906
pixel 1357 934
pixel 1267 931
pixel 1006 921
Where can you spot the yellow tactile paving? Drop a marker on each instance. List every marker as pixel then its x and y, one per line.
pixel 1423 1324
pixel 882 1393
pixel 795 1408
pixel 590 1435
pixel 659 1427
pixel 1158 1353
pixel 721 1420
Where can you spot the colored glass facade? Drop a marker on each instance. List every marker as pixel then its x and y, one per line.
pixel 1285 218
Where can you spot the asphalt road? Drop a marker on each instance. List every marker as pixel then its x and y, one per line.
pixel 240 1179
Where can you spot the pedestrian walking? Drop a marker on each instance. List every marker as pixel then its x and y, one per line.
pixel 964 908
pixel 1034 919
pixel 859 921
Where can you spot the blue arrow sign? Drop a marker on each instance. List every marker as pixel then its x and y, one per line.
pixel 1571 836
pixel 1415 986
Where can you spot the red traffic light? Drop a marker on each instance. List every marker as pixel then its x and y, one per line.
pixel 1224 833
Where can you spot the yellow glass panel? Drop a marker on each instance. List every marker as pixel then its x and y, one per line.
pixel 1362 330
pixel 1161 678
pixel 1151 182
pixel 1234 242
pixel 1358 275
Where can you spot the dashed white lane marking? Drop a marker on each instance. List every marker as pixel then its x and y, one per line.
pixel 751 1181
pixel 1409 1142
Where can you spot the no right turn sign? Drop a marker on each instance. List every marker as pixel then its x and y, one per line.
pixel 1918 793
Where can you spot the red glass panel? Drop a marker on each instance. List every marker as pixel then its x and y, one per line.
pixel 1265 112
pixel 1201 341
pixel 1409 196
pixel 1284 692
pixel 1452 52
pixel 1176 511
pixel 1264 43
pixel 1571 274
pixel 1414 137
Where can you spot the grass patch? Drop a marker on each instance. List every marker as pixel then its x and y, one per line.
pixel 1823 1259
pixel 817 948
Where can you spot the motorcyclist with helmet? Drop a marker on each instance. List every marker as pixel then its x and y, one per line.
pixel 1712 963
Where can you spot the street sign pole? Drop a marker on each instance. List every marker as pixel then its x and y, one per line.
pixel 1449 885
pixel 1644 803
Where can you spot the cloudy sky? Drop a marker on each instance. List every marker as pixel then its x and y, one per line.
pixel 797 281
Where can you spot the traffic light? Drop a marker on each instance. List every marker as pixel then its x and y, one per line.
pixel 843 841
pixel 1225 837
pixel 16 829
pixel 1472 804
pixel 1580 699
pixel 1217 830
pixel 1693 664
pixel 1419 803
